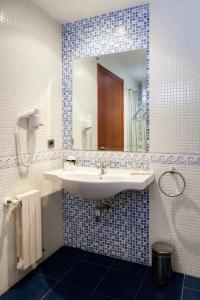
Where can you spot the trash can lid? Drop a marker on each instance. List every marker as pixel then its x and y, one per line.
pixel 162 248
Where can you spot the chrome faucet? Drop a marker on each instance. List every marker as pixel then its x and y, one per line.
pixel 102 167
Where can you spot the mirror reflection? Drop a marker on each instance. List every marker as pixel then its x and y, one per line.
pixel 109 102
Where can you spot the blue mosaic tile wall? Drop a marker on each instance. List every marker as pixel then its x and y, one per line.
pixel 123 231
pixel 109 33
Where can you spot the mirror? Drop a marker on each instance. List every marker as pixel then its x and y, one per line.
pixel 109 102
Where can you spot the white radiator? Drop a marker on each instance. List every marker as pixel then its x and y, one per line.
pixel 28 229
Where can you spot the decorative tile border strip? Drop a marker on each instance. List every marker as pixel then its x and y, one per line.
pixel 12 161
pixel 175 159
pixel 126 160
pixel 134 159
pixel 138 160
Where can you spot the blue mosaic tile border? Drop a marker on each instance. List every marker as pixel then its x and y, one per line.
pixel 98 36
pixel 122 232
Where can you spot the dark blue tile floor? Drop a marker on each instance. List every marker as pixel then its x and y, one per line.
pixel 74 274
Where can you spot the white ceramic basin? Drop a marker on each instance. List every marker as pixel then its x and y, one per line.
pixel 87 183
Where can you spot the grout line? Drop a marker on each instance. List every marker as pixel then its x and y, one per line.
pixel 46 276
pixel 130 273
pixel 75 286
pixel 100 281
pixel 59 280
pixel 96 264
pixel 142 280
pixel 189 288
pixel 64 283
pixel 182 289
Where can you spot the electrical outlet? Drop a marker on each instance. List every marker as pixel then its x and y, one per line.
pixel 51 143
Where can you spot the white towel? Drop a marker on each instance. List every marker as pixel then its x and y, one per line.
pixel 29 235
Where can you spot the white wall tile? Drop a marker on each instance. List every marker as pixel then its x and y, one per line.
pixel 178 219
pixel 11 184
pixel 30 76
pixel 175 124
pixel 174 76
pixel 30 73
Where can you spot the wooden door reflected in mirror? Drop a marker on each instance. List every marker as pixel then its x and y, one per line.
pixel 109 102
pixel 110 110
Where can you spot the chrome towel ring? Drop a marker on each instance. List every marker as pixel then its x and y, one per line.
pixel 172 171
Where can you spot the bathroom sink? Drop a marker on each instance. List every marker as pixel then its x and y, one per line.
pixel 89 183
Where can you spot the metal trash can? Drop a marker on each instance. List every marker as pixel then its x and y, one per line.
pixel 162 262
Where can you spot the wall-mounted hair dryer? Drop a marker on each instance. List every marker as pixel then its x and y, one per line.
pixel 33 117
pixel 34 121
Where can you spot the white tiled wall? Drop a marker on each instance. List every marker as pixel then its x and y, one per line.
pixel 30 73
pixel 175 76
pixel 175 123
pixel 178 219
pixel 30 76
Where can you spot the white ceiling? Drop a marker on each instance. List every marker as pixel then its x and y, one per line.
pixel 70 10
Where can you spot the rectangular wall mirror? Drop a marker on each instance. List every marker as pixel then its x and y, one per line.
pixel 109 102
